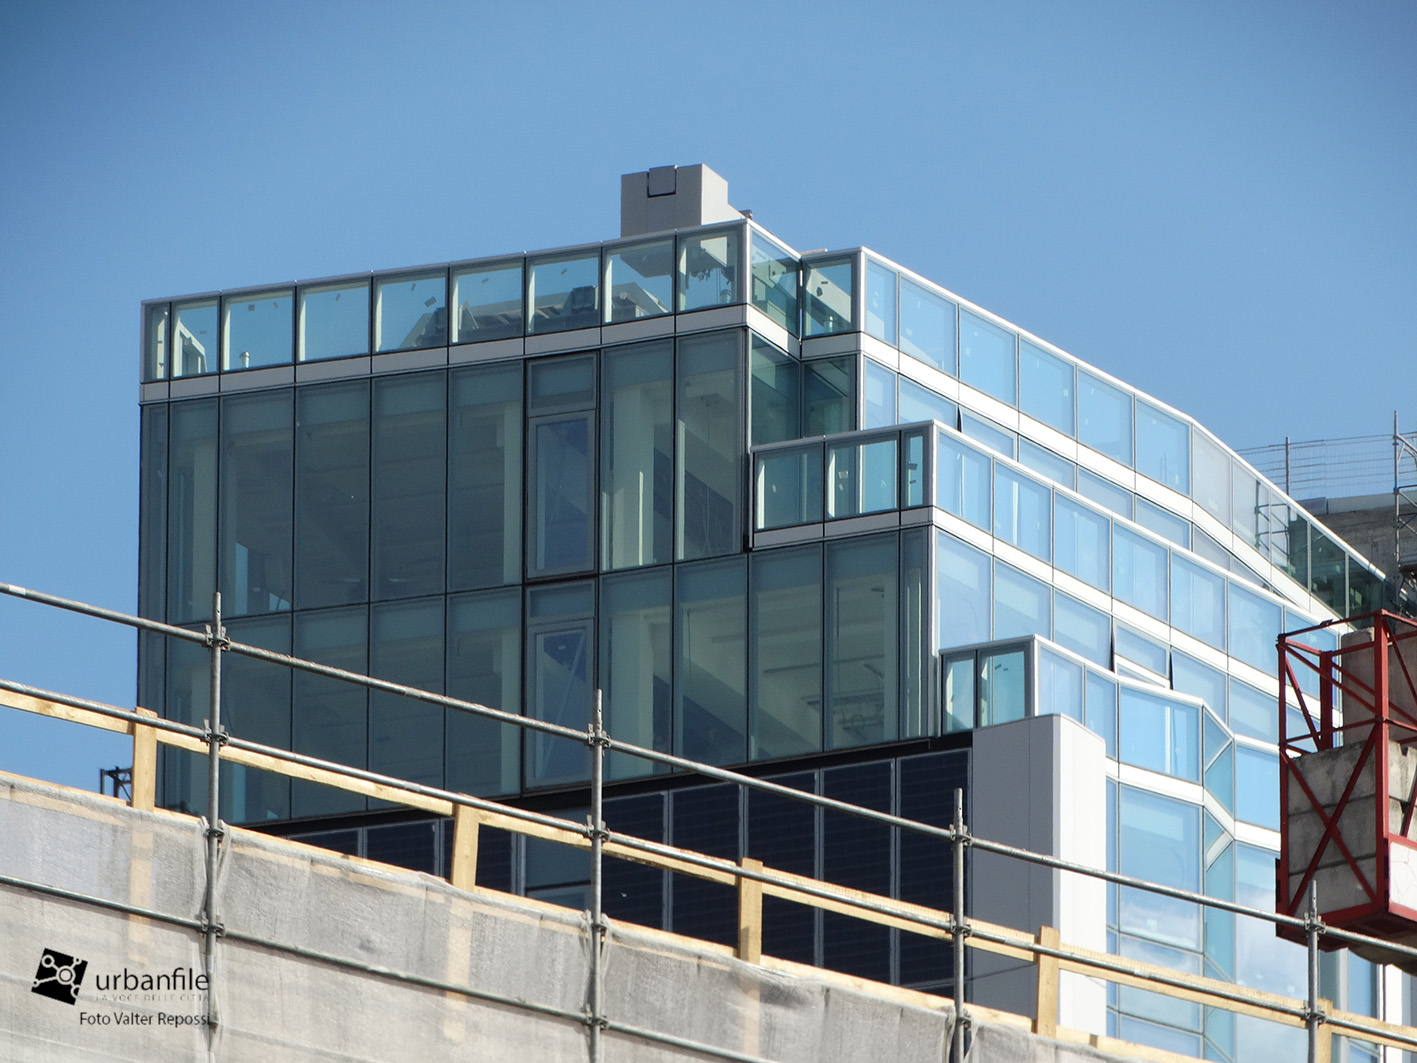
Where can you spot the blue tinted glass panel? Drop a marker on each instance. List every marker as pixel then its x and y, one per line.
pixel 488 302
pixel 1198 601
pixel 1082 629
pixel 560 499
pixel 775 395
pixel 636 453
pixel 334 321
pixel 1101 716
pixel 1054 466
pixel 1104 418
pixel 257 466
pixel 1163 447
pixel 1104 492
pixel 1003 687
pixel 786 631
pixel 411 311
pixel 641 281
pixel 406 647
pixel 1253 712
pixel 1220 778
pixel 922 404
pixel 259 329
pixel 709 435
pixel 1210 484
pixel 409 504
pixel 484 666
pixel 485 476
pixel 880 301
pixel 1046 385
pixel 710 674
pixel 1159 840
pixel 1020 604
pixel 828 291
pixel 1254 625
pixel 963 593
pixel 563 293
pixel 1189 676
pixel 829 395
pixel 194 338
pixel 927 326
pixel 1140 649
pixel 789 488
pixel 991 435
pixel 1165 523
pixel 1059 685
pixel 1139 572
pixel 775 281
pixel 559 689
pixel 1081 545
pixel 987 357
pixel 963 481
pixel 1021 511
pixel 635 651
pixel 880 396
pixel 862 615
pixel 708 269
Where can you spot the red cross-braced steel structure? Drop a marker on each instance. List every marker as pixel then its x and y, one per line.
pixel 1348 765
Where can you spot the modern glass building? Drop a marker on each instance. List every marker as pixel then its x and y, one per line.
pixel 808 515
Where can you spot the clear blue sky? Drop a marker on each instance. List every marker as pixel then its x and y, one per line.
pixel 1214 201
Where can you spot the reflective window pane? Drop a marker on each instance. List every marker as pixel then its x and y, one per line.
pixel 408 507
pixel 880 395
pixel 1082 629
pixel 641 281
pixel 774 280
pixel 828 395
pixel 1254 625
pixel 406 647
pixel 1054 467
pixel 191 510
pixel 880 301
pixel 332 494
pixel 1021 511
pixel 1003 687
pixel 1163 447
pixel 257 466
pixel 1101 714
pixel 258 329
pixel 862 477
pixel 1163 522
pixel 411 311
pixel 559 519
pixel 156 319
pixel 708 269
pixel 987 358
pixel 774 395
pixel 1104 418
pixel 563 292
pixel 786 682
pixel 1045 387
pixel 963 481
pixel 1141 650
pixel 963 593
pixel 255 706
pixel 1198 601
pixel 1059 686
pixel 1159 840
pixel 828 292
pixel 862 617
pixel 1189 676
pixel 333 321
pixel 927 326
pixel 710 662
pixel 999 440
pixel 330 718
pixel 635 650
pixel 710 433
pixel 1159 734
pixel 789 488
pixel 194 338
pixel 1021 604
pixel 1081 545
pixel 637 453
pixel 921 404
pixel 484 666
pixel 558 691
pixel 1254 713
pixel 487 302
pixel 1139 572
pixel 1105 493
pixel 485 476
pixel 1210 485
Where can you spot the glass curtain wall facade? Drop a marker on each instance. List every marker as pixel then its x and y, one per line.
pixel 812 516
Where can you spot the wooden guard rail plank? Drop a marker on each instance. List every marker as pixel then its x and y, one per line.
pixel 870 907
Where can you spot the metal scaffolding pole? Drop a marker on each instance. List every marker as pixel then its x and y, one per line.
pixel 958 931
pixel 595 1019
pixel 217 642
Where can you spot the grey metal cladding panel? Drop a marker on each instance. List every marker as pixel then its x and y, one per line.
pixel 155 392
pixel 718 317
pixel 336 369
pixel 273 377
pixel 629 331
pixel 487 351
pixel 196 385
pixel 554 342
pixel 398 361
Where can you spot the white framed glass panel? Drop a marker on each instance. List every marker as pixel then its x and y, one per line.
pixel 1163 447
pixel 1210 482
pixel 1104 418
pixel 639 281
pixel 1101 713
pixel 1254 626
pixel 997 439
pixel 987 357
pixel 1159 840
pixel 1003 687
pixel 1139 649
pixel 1022 507
pixel 1059 685
pixel 921 404
pixel 1082 629
pixel 1139 572
pixel 863 478
pixel 1046 385
pixel 487 302
pixel 1021 604
pixel 880 395
pixel 1105 493
pixel 828 294
pixel 1041 460
pixel 411 311
pixel 708 269
pixel 963 481
pixel 1081 546
pixel 1190 676
pixel 1198 601
pixel 880 301
pixel 774 272
pixel 1253 713
pixel 563 292
pixel 959 693
pixel 333 321
pixel 785 714
pixel 963 593
pixel 1163 522
pixel 194 338
pixel 1159 734
pixel 927 326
